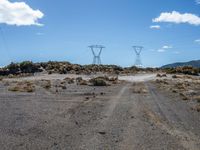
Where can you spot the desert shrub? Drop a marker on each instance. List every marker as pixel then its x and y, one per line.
pixel 198 108
pixel 99 81
pixel 50 72
pixel 13 68
pixel 20 68
pixel 22 87
pixel 83 82
pixel 164 75
pixel 113 79
pixel 69 80
pixel 63 70
pixel 29 67
pixel 170 70
pixel 80 81
pixel 197 98
pixel 174 76
pixel 189 70
pixel 47 84
pixel 158 75
pixel 63 86
pixel 181 86
pixel 184 97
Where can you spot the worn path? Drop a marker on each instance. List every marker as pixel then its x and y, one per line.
pixel 115 118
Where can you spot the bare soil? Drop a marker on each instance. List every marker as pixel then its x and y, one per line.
pixel 142 113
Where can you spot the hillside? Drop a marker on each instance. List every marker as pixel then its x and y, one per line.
pixel 195 63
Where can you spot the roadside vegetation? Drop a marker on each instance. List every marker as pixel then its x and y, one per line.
pixel 29 68
pixel 184 86
pixel 189 70
pixel 24 86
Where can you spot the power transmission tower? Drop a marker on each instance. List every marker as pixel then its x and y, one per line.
pixel 138 50
pixel 96 51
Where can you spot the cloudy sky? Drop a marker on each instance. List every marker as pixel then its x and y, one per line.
pixel 59 30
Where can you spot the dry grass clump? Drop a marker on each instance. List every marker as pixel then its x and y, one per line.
pixel 198 108
pixel 69 80
pixel 113 80
pixel 80 81
pixel 139 88
pixel 197 98
pixel 22 87
pixel 180 86
pixel 184 97
pixel 46 84
pixel 161 75
pixel 162 81
pixel 189 70
pixel 63 87
pixel 99 81
pixel 175 76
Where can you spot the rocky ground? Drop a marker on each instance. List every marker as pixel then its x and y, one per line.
pixel 94 112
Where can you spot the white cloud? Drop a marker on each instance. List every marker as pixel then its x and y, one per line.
pixel 197 41
pixel 155 27
pixel 198 2
pixel 161 50
pixel 19 14
pixel 164 48
pixel 176 17
pixel 167 47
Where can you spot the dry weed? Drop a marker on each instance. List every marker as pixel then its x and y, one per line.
pixel 22 87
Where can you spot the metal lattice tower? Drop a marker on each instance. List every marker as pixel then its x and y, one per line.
pixel 96 51
pixel 138 50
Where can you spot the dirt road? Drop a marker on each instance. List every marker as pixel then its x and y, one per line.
pixel 129 116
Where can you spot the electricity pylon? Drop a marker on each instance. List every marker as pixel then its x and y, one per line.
pixel 138 50
pixel 96 51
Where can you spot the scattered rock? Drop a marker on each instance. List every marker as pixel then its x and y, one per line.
pixel 102 93
pixel 102 132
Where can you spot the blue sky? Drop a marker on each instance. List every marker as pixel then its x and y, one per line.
pixel 62 30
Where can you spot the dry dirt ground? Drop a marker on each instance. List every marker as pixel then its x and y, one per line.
pixel 142 113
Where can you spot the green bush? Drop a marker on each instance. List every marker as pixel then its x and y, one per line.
pixel 13 68
pixel 28 67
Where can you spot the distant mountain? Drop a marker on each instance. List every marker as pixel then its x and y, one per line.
pixel 195 63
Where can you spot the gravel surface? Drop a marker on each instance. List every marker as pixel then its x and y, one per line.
pixel 126 116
